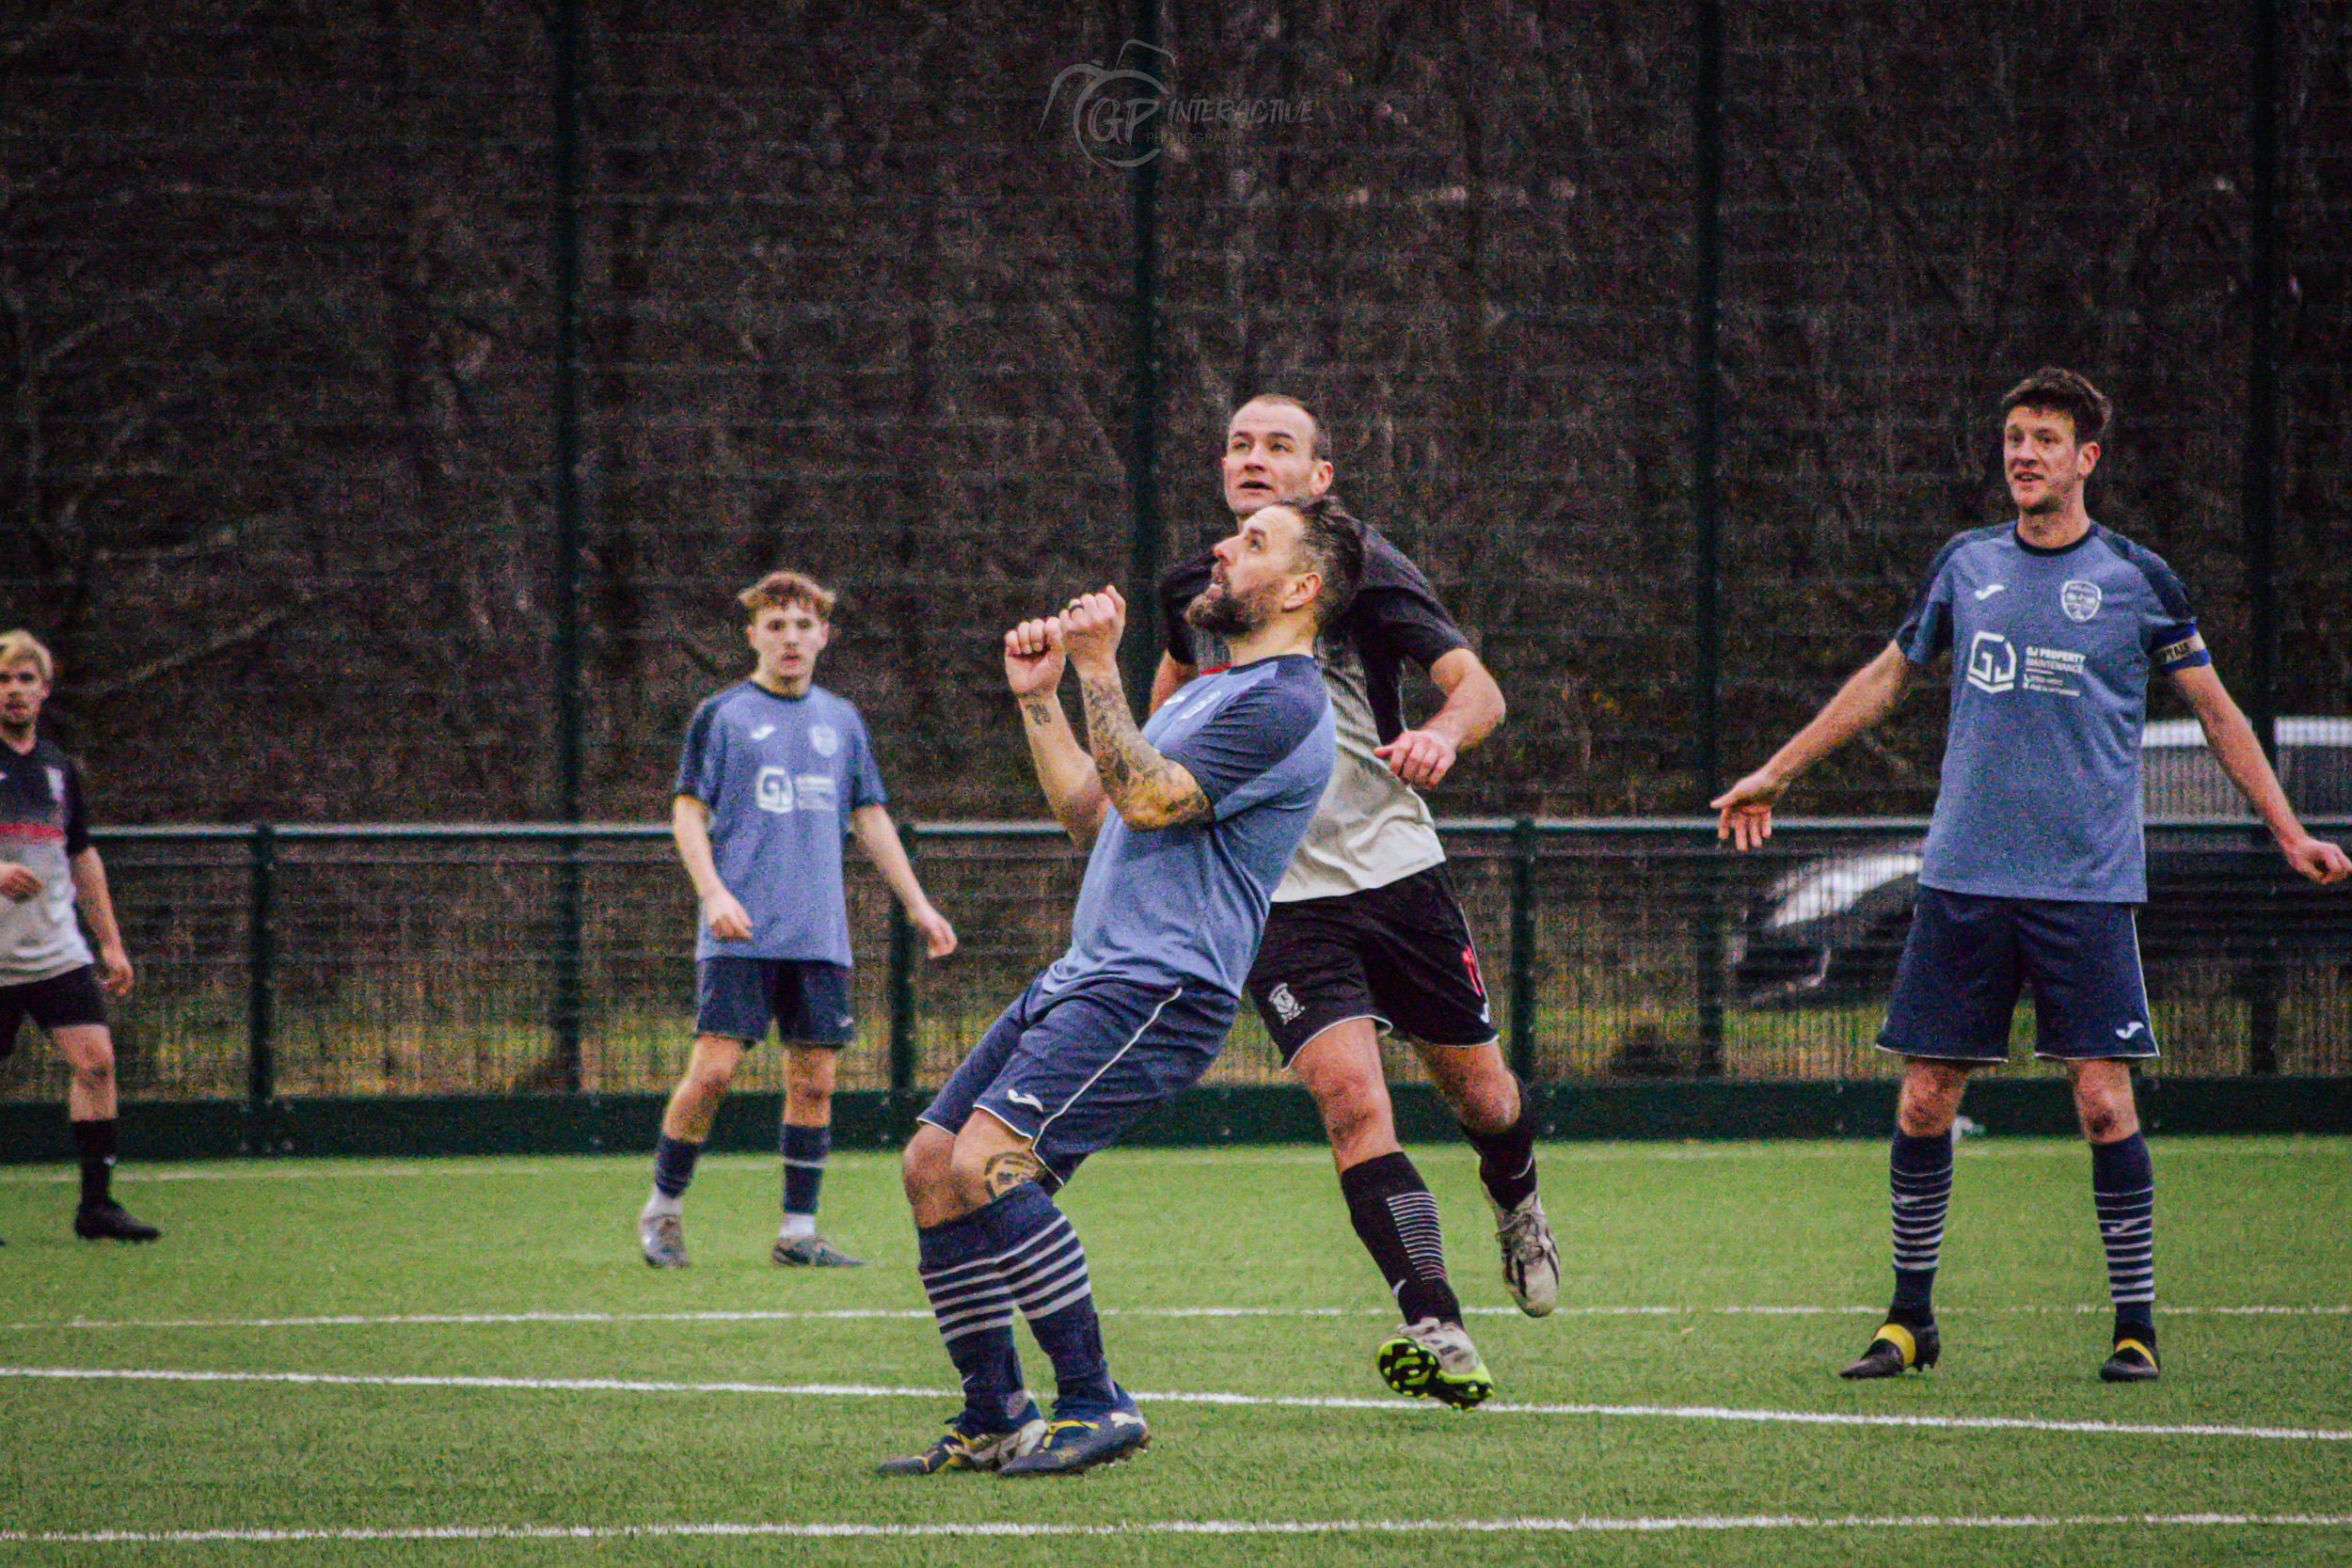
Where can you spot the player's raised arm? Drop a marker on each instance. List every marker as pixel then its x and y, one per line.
pixel 1473 708
pixel 1744 812
pixel 1033 667
pixel 2240 754
pixel 1146 788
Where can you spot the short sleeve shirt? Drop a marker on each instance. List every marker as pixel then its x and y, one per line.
pixel 1186 904
pixel 42 827
pixel 1373 828
pixel 781 776
pixel 2051 654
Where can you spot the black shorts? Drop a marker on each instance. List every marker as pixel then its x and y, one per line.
pixel 1399 955
pixel 807 999
pixel 1968 957
pixel 68 1001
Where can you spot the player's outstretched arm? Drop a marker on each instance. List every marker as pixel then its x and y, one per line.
pixel 1422 756
pixel 878 837
pixel 98 908
pixel 1033 666
pixel 690 826
pixel 2240 753
pixel 1744 812
pixel 1145 789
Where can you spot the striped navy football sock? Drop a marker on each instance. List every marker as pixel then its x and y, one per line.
pixel 1397 1221
pixel 2123 1188
pixel 974 1311
pixel 1919 1180
pixel 1046 1269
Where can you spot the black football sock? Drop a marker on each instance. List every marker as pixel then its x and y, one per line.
pixel 804 1151
pixel 94 1144
pixel 1397 1220
pixel 1506 1160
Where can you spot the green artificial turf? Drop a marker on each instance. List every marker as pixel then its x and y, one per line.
pixel 1697 1237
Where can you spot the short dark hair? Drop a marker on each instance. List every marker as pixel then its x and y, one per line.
pixel 2066 392
pixel 1333 544
pixel 1318 443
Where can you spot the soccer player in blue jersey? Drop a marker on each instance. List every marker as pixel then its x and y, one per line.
pixel 2034 859
pixel 773 768
pixel 1192 821
pixel 48 866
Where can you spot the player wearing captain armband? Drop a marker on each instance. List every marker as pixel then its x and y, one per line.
pixel 2035 859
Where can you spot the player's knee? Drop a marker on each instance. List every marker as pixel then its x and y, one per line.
pixel 924 1169
pixel 2105 1117
pixel 94 1070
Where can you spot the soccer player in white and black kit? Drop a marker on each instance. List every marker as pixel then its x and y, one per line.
pixel 47 974
pixel 1366 934
pixel 2035 858
pixel 775 772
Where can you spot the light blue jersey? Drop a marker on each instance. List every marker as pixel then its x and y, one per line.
pixel 781 776
pixel 2051 652
pixel 1186 905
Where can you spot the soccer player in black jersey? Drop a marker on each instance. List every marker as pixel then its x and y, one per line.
pixel 1366 934
pixel 47 974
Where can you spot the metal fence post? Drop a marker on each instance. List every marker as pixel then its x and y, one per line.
pixel 902 980
pixel 1523 948
pixel 260 953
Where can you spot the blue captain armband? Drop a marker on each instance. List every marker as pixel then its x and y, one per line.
pixel 2178 648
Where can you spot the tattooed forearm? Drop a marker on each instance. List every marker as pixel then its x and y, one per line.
pixel 1040 711
pixel 1148 790
pixel 1002 1173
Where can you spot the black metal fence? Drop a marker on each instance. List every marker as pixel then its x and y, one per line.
pixel 300 962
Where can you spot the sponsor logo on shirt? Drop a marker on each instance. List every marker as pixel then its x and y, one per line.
pixel 1987 592
pixel 774 790
pixel 57 782
pixel 761 731
pixel 2080 599
pixel 816 791
pixel 825 739
pixel 1992 662
pixel 2056 671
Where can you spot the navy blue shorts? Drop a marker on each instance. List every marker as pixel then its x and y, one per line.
pixel 1071 1070
pixel 1968 957
pixel 807 999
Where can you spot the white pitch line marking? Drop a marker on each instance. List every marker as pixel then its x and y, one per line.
pixel 1295 1402
pixel 863 1314
pixel 1637 1524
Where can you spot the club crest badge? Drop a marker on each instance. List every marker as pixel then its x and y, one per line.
pixel 2080 599
pixel 828 741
